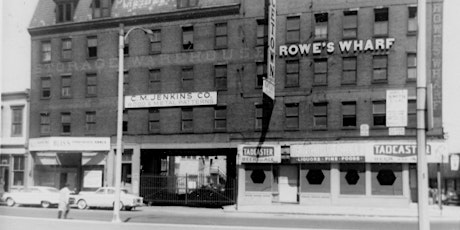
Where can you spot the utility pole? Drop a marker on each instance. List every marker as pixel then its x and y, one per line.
pixel 422 167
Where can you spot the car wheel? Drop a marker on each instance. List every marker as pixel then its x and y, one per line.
pixel 45 204
pixel 81 204
pixel 10 202
pixel 121 205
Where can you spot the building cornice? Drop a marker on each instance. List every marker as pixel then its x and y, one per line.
pixel 188 14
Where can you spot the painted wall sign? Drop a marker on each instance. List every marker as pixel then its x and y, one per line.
pixel 268 86
pixel 69 144
pixel 259 154
pixel 436 61
pixel 171 99
pixel 345 46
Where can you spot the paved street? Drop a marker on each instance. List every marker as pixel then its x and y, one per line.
pixel 200 218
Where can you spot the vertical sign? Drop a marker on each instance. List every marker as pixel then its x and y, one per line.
pixel 436 59
pixel 269 82
pixel 396 110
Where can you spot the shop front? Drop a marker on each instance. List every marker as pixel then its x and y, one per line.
pixel 78 161
pixel 334 173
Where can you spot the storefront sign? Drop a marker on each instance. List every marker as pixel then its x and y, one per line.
pixel 268 86
pixel 259 154
pixel 346 46
pixel 396 108
pixel 92 179
pixel 454 162
pixel 171 99
pixel 365 151
pixel 69 144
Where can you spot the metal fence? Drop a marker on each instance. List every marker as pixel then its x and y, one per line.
pixel 189 190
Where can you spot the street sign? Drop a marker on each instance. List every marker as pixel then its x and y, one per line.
pixel 268 86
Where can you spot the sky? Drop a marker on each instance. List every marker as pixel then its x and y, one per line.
pixel 15 60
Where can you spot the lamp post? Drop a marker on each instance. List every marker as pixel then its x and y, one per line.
pixel 121 41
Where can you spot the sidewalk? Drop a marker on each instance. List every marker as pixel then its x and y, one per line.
pixel 447 212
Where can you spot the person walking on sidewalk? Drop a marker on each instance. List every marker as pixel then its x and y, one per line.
pixel 64 197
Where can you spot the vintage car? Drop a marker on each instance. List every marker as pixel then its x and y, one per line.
pixel 34 195
pixel 104 197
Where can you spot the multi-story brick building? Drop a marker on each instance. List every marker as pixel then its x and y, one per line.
pixel 194 90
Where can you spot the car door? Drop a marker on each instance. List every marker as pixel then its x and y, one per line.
pixel 96 199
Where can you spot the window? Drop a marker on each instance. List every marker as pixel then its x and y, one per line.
pixel 187 119
pixel 320 115
pixel 101 8
pixel 155 42
pixel 259 116
pixel 379 113
pixel 380 64
pixel 291 116
pixel 261 73
pixel 349 114
pixel 411 114
pixel 321 26
pixel 315 178
pixel 90 119
pixel 125 121
pixel 186 3
pixel 91 85
pixel 412 20
pixel 220 72
pixel 293 29
pixel 381 22
pixel 18 170
pixel 258 177
pixel 154 121
pixel 353 178
pixel 187 78
pixel 46 51
pixel 350 24
pixel 320 68
pixel 220 118
pixel 64 11
pixel 349 70
pixel 65 123
pixel 292 73
pixel 45 124
pixel 92 47
pixel 16 123
pixel 388 179
pixel 155 81
pixel 66 49
pixel 66 90
pixel 187 38
pixel 126 47
pixel 411 66
pixel 221 35
pixel 262 32
pixel 45 88
pixel 125 82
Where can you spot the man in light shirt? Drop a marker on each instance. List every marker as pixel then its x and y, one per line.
pixel 64 197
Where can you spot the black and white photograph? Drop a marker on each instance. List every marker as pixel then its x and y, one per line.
pixel 229 115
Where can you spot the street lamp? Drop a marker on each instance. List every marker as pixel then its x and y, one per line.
pixel 121 42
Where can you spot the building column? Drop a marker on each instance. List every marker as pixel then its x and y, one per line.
pixel 369 179
pixel 109 168
pixel 135 169
pixel 405 181
pixel 241 184
pixel 335 182
pixel 29 170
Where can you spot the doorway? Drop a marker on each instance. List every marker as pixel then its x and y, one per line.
pixel 288 181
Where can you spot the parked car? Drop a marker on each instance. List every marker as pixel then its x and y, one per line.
pixel 453 198
pixel 34 195
pixel 105 197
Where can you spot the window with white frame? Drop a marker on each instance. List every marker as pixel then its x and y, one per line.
pixel 412 20
pixel 350 24
pixel 379 113
pixel 91 84
pixel 45 123
pixel 349 114
pixel 380 65
pixel 17 121
pixel 321 21
pixel 66 86
pixel 46 51
pixel 65 123
pixel 320 115
pixel 66 49
pixel 381 22
pixel 411 66
pixel 349 70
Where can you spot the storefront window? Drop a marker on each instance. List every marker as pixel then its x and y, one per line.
pixel 386 179
pixel 315 178
pixel 258 178
pixel 353 179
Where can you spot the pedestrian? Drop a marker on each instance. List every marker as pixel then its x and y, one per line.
pixel 64 197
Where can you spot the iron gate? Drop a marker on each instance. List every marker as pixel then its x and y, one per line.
pixel 189 190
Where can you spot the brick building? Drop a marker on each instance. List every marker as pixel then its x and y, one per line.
pixel 194 91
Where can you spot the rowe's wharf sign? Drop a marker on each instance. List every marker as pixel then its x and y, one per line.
pixel 345 46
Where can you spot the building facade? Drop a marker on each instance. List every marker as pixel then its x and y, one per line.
pixel 14 135
pixel 193 97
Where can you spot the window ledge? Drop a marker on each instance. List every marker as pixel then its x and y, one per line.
pixel 319 129
pixel 379 81
pixel 349 128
